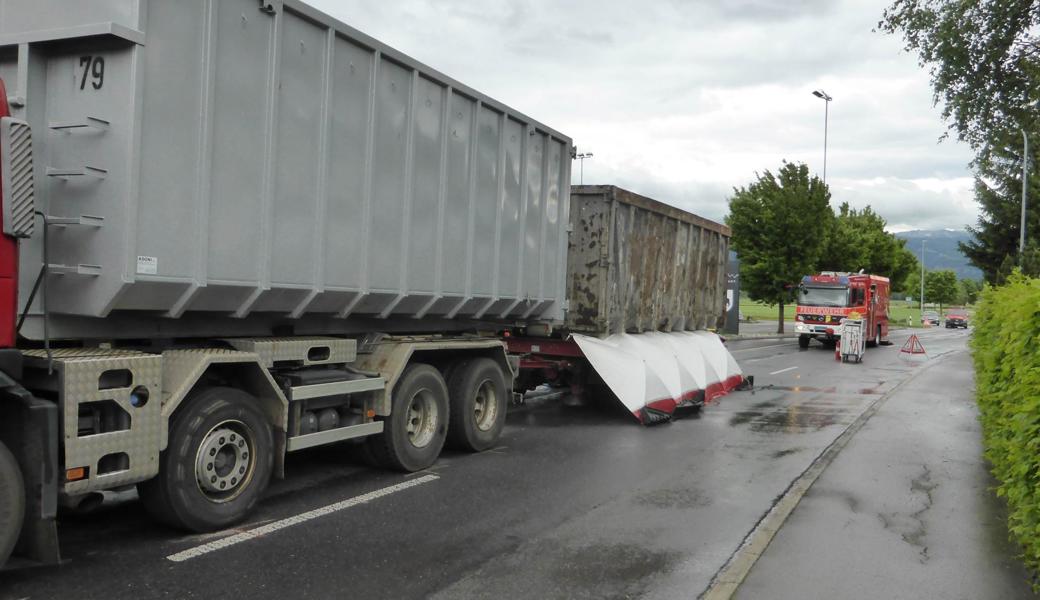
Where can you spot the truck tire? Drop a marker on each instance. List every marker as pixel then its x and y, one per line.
pixel 803 341
pixel 414 433
pixel 12 503
pixel 217 464
pixel 477 391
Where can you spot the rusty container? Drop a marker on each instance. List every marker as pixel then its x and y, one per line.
pixel 635 264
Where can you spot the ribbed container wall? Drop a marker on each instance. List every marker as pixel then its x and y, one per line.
pixel 234 158
pixel 635 264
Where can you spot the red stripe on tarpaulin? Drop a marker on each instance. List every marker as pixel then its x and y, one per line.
pixel 665 405
pixel 689 396
pixel 733 382
pixel 714 392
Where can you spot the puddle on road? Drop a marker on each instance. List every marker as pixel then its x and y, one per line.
pixel 789 419
pixel 683 498
pixel 787 452
pixel 827 390
pixel 625 569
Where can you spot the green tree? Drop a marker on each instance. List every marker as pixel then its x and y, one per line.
pixel 940 287
pixel 770 219
pixel 969 291
pixel 998 190
pixel 912 285
pixel 858 240
pixel 984 58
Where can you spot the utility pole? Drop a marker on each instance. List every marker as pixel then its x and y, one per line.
pixel 922 282
pixel 1025 180
pixel 822 95
pixel 581 168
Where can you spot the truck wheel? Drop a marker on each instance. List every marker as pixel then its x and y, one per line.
pixel 414 433
pixel 12 503
pixel 217 465
pixel 477 390
pixel 803 341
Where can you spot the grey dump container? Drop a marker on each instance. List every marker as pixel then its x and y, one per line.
pixel 635 264
pixel 226 167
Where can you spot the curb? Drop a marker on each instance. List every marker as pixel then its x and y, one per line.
pixel 759 336
pixel 728 579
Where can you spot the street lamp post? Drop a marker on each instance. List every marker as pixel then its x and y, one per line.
pixel 581 166
pixel 922 282
pixel 822 95
pixel 1025 179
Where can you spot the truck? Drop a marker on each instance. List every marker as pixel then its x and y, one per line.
pixel 236 230
pixel 828 298
pixel 645 280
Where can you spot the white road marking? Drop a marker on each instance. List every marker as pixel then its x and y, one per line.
pixel 763 348
pixel 783 370
pixel 253 534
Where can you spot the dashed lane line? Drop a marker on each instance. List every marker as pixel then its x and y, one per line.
pixel 258 532
pixel 783 370
pixel 762 348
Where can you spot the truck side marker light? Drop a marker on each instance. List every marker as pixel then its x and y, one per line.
pixel 76 474
pixel 139 396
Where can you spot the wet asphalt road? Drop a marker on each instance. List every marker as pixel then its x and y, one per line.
pixel 577 502
pixel 904 511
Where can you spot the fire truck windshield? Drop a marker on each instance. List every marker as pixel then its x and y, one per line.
pixel 823 296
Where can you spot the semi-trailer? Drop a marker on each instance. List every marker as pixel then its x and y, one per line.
pixel 645 281
pixel 234 230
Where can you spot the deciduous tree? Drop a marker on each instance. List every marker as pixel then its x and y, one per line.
pixel 774 220
pixel 984 58
pixel 969 291
pixel 858 240
pixel 940 287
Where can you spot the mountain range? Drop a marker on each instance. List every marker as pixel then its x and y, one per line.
pixel 941 251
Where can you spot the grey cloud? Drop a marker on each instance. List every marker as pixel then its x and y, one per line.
pixel 688 98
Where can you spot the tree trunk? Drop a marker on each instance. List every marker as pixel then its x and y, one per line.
pixel 780 319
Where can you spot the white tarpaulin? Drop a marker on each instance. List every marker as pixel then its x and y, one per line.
pixel 655 373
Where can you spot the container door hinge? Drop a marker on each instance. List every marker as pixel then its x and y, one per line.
pixel 81 270
pixel 86 171
pixel 90 122
pixel 267 8
pixel 81 221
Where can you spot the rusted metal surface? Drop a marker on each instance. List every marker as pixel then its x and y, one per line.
pixel 635 264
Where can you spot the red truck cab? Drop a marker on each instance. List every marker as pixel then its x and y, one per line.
pixel 828 298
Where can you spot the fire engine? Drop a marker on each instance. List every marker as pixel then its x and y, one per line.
pixel 826 299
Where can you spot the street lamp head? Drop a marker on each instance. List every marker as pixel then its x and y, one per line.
pixel 822 95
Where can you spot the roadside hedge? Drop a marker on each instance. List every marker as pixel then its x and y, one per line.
pixel 1006 349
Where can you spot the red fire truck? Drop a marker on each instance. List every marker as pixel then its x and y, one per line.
pixel 826 299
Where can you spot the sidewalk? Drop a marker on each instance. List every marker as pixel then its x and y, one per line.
pixel 906 510
pixel 762 329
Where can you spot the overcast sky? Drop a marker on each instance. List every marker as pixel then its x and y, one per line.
pixel 682 100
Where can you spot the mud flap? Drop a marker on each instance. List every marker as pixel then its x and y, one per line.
pixel 654 374
pixel 29 427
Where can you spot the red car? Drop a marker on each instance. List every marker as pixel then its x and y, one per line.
pixel 956 318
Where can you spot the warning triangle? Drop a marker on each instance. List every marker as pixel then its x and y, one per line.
pixel 913 346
